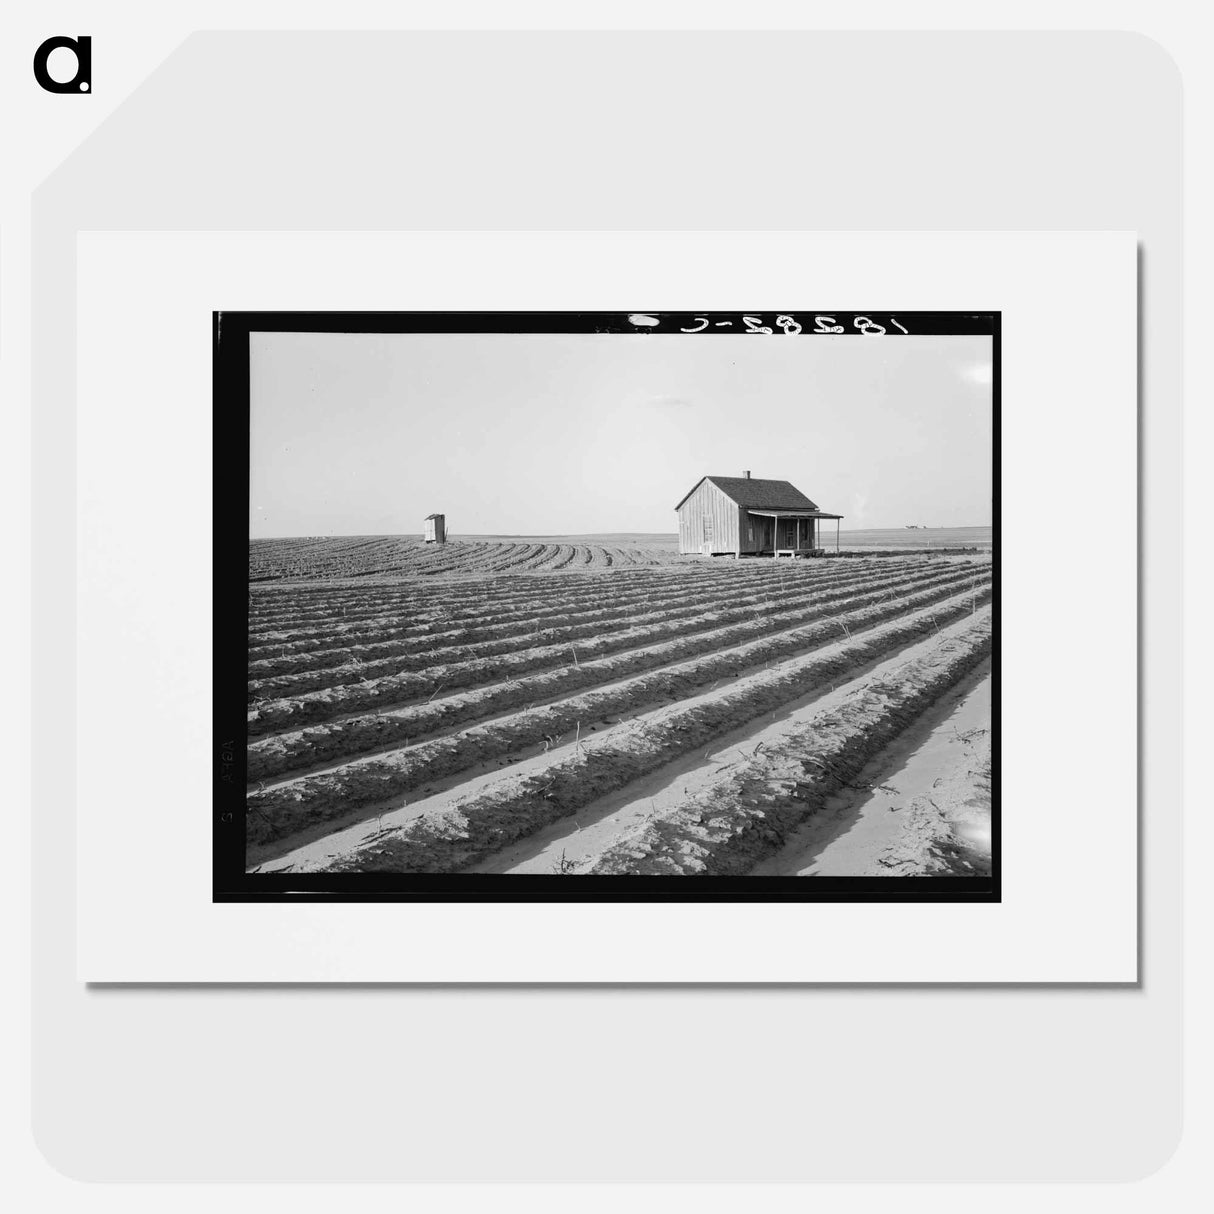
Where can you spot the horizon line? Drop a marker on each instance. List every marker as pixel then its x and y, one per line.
pixel 580 534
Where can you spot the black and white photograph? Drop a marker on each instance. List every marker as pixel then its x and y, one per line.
pixel 529 677
pixel 598 606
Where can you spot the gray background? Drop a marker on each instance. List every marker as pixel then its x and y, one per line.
pixel 546 132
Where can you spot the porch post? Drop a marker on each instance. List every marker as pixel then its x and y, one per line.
pixel 836 535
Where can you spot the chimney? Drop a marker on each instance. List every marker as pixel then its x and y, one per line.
pixel 746 474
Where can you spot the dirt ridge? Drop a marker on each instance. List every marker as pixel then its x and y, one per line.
pixel 749 813
pixel 518 806
pixel 599 658
pixel 315 669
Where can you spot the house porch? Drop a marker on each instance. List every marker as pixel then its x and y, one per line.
pixel 794 533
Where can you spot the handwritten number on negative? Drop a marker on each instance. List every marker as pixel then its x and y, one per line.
pixel 790 326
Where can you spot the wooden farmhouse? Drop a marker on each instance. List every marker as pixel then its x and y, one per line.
pixel 436 528
pixel 744 516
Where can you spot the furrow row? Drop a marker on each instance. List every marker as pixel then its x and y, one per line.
pixel 515 807
pixel 328 738
pixel 388 601
pixel 277 812
pixel 314 669
pixel 483 613
pixel 749 811
pixel 636 648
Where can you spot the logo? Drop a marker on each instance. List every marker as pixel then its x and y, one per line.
pixel 82 81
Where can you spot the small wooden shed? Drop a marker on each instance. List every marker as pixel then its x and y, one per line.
pixel 745 516
pixel 436 528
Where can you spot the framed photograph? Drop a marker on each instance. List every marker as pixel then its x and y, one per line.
pixel 505 628
pixel 580 576
pixel 594 606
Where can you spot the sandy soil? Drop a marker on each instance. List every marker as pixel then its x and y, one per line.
pixel 753 808
pixel 578 842
pixel 919 796
pixel 284 809
pixel 283 561
pixel 474 827
pixel 540 677
pixel 546 771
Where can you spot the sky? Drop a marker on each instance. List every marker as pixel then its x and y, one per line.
pixel 539 434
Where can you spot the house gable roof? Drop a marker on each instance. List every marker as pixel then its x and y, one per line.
pixel 750 493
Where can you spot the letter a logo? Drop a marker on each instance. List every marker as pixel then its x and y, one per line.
pixel 82 81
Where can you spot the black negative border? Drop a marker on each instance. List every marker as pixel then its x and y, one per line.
pixel 231 404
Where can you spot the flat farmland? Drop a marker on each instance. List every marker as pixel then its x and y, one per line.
pixel 554 705
pixel 327 558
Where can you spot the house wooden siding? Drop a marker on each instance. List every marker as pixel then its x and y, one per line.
pixel 735 516
pixel 709 522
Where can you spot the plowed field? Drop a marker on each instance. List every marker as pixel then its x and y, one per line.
pixel 370 556
pixel 477 707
